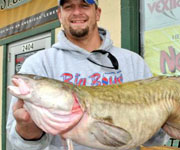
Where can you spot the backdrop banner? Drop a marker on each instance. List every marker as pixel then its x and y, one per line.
pixel 162 50
pixel 160 30
pixel 20 15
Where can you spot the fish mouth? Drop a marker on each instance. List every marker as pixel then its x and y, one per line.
pixel 15 80
pixel 19 86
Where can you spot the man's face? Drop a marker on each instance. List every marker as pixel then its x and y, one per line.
pixel 78 18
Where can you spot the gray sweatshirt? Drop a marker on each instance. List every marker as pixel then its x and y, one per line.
pixel 70 63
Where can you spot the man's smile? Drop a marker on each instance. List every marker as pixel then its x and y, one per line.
pixel 78 21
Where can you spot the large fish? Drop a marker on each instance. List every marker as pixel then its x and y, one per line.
pixel 112 117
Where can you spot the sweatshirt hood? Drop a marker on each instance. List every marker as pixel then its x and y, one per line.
pixel 101 57
pixel 64 44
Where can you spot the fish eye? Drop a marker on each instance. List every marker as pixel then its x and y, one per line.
pixel 37 77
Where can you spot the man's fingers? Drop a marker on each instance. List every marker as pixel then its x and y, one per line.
pixel 25 126
pixel 21 115
pixel 172 131
pixel 19 104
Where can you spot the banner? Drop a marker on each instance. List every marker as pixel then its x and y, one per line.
pixel 8 4
pixel 161 36
pixel 18 17
pixel 162 50
pixel 161 13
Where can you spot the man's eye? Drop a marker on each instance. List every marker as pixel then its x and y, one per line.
pixel 85 6
pixel 67 7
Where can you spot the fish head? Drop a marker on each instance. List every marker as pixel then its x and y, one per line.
pixel 42 91
pixel 21 87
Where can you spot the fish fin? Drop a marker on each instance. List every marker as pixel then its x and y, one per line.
pixel 110 135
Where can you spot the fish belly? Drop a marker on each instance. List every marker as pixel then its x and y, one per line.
pixel 53 121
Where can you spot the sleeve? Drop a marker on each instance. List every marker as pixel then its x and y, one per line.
pixel 16 141
pixel 141 69
pixel 147 71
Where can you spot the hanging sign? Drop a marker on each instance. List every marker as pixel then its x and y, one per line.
pixel 16 17
pixel 8 4
pixel 162 50
pixel 162 36
pixel 161 13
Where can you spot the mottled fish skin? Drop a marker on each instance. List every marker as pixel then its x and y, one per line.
pixel 141 107
pixel 116 117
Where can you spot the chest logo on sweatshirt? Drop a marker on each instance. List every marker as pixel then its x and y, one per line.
pixel 95 79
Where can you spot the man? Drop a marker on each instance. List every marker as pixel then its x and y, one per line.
pixel 84 55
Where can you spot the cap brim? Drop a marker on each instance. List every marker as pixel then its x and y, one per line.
pixel 60 2
pixel 91 1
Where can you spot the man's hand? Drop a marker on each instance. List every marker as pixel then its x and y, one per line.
pixel 172 131
pixel 25 126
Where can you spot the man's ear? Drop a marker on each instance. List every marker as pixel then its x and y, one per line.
pixel 59 14
pixel 98 14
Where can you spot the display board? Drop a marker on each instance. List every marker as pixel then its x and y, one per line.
pixel 21 15
pixel 160 28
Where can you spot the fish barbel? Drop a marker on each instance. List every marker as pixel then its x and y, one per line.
pixel 112 117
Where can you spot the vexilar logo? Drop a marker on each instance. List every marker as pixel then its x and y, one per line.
pixel 165 7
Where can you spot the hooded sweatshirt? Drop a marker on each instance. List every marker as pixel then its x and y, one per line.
pixel 67 62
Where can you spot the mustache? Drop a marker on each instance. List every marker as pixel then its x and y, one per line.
pixel 79 17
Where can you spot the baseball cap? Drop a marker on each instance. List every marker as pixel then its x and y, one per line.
pixel 60 2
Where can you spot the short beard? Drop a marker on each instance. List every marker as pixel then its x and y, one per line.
pixel 79 33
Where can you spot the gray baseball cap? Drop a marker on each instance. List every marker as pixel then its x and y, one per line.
pixel 60 2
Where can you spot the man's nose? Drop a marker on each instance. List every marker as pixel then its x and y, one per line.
pixel 77 10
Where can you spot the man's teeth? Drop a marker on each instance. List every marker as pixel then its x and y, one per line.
pixel 78 21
